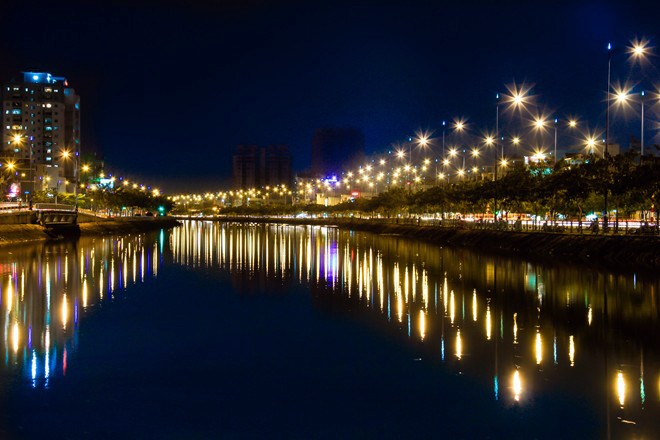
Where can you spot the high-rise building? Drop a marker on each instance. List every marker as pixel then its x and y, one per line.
pixel 246 166
pixel 254 167
pixel 334 149
pixel 41 131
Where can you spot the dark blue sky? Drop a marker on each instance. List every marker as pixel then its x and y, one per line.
pixel 168 88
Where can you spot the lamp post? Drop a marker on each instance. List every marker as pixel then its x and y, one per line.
pixel 555 158
pixel 497 134
pixel 641 149
pixel 638 50
pixel 622 97
pixel 444 123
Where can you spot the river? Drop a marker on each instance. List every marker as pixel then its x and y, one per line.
pixel 215 330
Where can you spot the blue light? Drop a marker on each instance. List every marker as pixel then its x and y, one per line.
pixel 35 77
pixel 609 46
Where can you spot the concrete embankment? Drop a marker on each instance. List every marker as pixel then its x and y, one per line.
pixel 621 251
pixel 11 234
pixel 126 225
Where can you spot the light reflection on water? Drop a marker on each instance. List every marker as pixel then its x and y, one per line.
pixel 45 288
pixel 523 330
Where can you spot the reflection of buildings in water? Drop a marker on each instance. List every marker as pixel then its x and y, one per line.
pixel 45 288
pixel 498 317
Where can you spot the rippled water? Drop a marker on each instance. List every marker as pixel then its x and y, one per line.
pixel 218 330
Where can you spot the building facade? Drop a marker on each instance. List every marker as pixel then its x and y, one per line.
pixel 256 167
pixel 40 132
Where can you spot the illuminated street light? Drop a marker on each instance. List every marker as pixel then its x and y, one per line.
pixel 591 143
pixel 638 52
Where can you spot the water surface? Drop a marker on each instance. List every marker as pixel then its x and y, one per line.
pixel 218 330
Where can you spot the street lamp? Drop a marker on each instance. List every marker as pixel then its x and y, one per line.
pixel 444 123
pixel 555 158
pixel 497 130
pixel 622 97
pixel 489 141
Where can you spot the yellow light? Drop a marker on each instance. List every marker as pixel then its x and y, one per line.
pixel 459 345
pixel 15 336
pixel 66 154
pixel 517 385
pixel 571 350
pixel 539 123
pixel 515 328
pixel 572 123
pixel 639 48
pixel 422 324
pixel 85 168
pixel 65 311
pixel 621 96
pixel 17 138
pixel 488 322
pixel 490 140
pixel 453 152
pixel 516 140
pixel 621 388
pixel 539 348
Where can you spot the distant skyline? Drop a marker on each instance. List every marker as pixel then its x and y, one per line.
pixel 168 89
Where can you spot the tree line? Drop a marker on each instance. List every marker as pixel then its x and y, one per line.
pixel 624 182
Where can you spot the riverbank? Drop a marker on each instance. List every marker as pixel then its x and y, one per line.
pixel 622 251
pixel 11 234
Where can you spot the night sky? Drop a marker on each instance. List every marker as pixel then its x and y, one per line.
pixel 168 88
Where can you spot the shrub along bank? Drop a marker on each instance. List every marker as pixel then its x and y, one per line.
pixel 613 251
